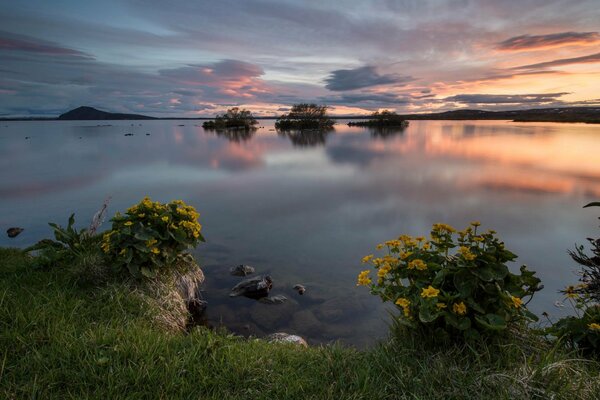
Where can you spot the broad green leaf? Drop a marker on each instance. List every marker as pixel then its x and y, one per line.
pixel 491 321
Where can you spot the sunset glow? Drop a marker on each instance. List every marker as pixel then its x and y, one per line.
pixel 185 58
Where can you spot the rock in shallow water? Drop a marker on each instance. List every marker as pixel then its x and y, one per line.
pixel 278 299
pixel 14 232
pixel 300 288
pixel 282 337
pixel 254 288
pixel 241 270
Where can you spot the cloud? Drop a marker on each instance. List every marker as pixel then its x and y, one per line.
pixel 534 42
pixel 592 58
pixel 21 43
pixel 537 98
pixel 367 76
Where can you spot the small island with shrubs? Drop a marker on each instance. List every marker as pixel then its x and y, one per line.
pixel 305 117
pixel 382 119
pixel 234 118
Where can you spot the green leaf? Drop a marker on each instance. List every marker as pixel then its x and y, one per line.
pixel 461 323
pixel 148 272
pixel 428 314
pixel 485 273
pixel 529 314
pixel 491 321
pixel 71 221
pixel 499 271
pixel 465 283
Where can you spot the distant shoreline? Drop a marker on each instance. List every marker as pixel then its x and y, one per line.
pixel 590 115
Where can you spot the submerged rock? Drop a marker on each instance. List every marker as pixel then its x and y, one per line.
pixel 300 288
pixel 278 299
pixel 14 231
pixel 305 321
pixel 241 270
pixel 282 337
pixel 254 288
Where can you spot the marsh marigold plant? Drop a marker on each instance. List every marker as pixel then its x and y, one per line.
pixel 457 281
pixel 151 236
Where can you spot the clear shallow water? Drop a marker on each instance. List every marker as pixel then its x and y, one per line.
pixel 305 210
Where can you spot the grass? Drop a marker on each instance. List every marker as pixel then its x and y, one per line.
pixel 62 337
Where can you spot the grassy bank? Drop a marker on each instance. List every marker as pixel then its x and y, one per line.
pixel 62 337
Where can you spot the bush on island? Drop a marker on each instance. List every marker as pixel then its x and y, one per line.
pixel 384 118
pixel 235 118
pixel 305 116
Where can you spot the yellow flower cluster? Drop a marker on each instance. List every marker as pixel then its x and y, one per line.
pixel 382 272
pixel 429 292
pixel 459 308
pixel 517 302
pixel 442 228
pixel 363 278
pixel 105 246
pixel 466 253
pixel 405 304
pixel 417 264
pixel 594 326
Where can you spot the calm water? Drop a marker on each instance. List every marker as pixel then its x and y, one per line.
pixel 305 210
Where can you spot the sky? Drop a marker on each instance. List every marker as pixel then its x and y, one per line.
pixel 185 58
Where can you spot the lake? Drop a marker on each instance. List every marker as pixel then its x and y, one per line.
pixel 305 209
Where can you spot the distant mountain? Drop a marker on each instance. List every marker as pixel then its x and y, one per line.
pixel 90 113
pixel 563 114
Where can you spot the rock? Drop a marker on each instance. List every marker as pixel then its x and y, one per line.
pixel 254 288
pixel 300 288
pixel 306 322
pixel 128 134
pixel 340 308
pixel 241 270
pixel 271 318
pixel 14 232
pixel 282 337
pixel 278 299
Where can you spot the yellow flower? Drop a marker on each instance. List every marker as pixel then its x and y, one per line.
pixel 151 242
pixel 570 292
pixel 382 272
pixel 443 227
pixel 142 215
pixel 476 223
pixel 594 326
pixel 379 246
pixel 459 308
pixel 429 292
pixel 363 278
pixel 441 306
pixel 466 253
pixel 478 239
pixel 366 259
pixel 155 250
pixel 417 264
pixel 405 304
pixel 517 302
pixel 165 219
pixel 405 254
pixel 122 252
pixel 128 223
pixel 426 246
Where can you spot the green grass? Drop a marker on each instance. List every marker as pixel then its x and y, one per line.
pixel 64 339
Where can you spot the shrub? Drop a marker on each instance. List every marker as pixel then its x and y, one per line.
pixel 70 246
pixel 151 237
pixel 582 331
pixel 465 293
pixel 233 118
pixel 305 116
pixel 384 118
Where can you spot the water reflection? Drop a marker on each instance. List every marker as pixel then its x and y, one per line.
pixel 234 134
pixel 306 138
pixel 309 216
pixel 385 132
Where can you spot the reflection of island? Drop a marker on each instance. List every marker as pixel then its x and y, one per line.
pixel 306 138
pixel 386 132
pixel 236 135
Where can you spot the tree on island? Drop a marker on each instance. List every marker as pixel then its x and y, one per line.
pixel 384 118
pixel 234 118
pixel 305 116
